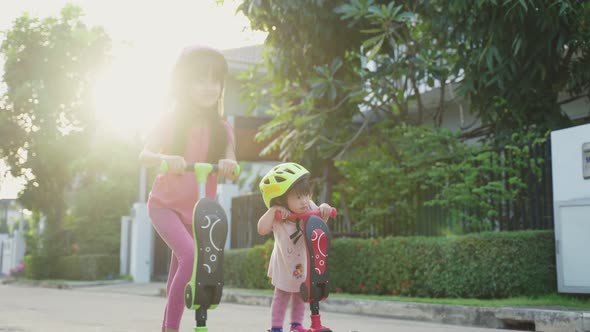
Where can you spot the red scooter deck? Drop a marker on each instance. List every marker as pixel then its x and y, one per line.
pixel 317 239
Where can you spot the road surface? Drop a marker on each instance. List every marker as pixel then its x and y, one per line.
pixel 108 309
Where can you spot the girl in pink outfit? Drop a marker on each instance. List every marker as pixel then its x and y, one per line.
pixel 286 188
pixel 193 131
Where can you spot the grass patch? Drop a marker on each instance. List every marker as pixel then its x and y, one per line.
pixel 553 301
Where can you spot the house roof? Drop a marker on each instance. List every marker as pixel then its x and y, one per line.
pixel 243 57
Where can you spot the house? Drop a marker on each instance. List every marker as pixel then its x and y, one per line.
pixel 12 241
pixel 458 117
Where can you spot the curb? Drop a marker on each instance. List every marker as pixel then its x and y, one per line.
pixel 511 318
pixel 60 284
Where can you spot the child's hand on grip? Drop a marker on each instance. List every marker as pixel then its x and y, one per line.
pixel 176 164
pixel 284 212
pixel 325 211
pixel 226 168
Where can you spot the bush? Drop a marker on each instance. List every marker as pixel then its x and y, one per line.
pixel 39 266
pixel 484 265
pixel 88 267
pixel 246 268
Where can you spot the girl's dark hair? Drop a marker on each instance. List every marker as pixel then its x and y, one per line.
pixel 193 64
pixel 301 187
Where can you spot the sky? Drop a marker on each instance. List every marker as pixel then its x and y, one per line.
pixel 147 37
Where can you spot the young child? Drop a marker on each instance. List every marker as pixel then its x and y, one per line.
pixel 194 131
pixel 286 188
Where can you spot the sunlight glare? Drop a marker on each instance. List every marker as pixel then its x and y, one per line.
pixel 130 92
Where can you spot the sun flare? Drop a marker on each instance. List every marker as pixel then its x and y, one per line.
pixel 130 92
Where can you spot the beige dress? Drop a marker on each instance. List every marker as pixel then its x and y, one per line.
pixel 288 264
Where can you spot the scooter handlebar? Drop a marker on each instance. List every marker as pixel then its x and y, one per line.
pixel 196 167
pixel 304 215
pixel 212 168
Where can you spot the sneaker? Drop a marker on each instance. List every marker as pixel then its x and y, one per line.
pixel 298 328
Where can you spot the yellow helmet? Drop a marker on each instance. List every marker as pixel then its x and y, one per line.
pixel 279 179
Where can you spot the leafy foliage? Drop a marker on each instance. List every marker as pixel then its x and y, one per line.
pixel 106 187
pixel 308 85
pixel 518 57
pixel 46 114
pixel 511 64
pixel 388 182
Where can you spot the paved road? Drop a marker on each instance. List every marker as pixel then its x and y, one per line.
pixel 108 309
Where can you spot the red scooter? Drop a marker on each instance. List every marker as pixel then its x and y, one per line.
pixel 316 286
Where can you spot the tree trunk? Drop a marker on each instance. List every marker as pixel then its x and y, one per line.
pixel 326 193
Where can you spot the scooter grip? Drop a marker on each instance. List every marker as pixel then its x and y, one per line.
pixel 279 215
pixel 214 168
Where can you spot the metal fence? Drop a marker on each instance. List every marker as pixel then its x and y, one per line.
pixel 532 209
pixel 245 212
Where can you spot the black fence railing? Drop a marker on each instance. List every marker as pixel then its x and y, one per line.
pixel 245 212
pixel 531 209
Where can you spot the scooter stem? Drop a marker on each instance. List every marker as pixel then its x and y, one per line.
pixel 202 170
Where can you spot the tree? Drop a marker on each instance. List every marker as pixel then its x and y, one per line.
pixel 344 75
pixel 46 117
pixel 512 59
pixel 356 63
pixel 518 57
pixel 306 81
pixel 328 62
pixel 105 188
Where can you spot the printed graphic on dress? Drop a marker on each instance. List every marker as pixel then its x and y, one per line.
pixel 298 272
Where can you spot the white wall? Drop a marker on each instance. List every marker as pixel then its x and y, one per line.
pixel 5 252
pixel 567 163
pixel 571 195
pixel 125 247
pixel 12 249
pixel 142 244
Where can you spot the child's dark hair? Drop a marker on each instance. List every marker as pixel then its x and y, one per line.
pixel 195 63
pixel 301 187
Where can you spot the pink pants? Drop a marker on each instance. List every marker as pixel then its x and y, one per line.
pixel 279 304
pixel 179 238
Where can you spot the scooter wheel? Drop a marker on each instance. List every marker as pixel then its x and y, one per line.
pixel 188 296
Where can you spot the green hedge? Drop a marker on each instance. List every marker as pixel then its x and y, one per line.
pixel 74 267
pixel 40 267
pixel 246 268
pixel 485 265
pixel 88 267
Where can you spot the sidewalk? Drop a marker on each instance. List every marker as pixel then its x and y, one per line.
pixel 519 318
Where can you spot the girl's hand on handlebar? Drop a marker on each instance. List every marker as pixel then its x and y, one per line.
pixel 176 164
pixel 284 212
pixel 226 167
pixel 325 211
